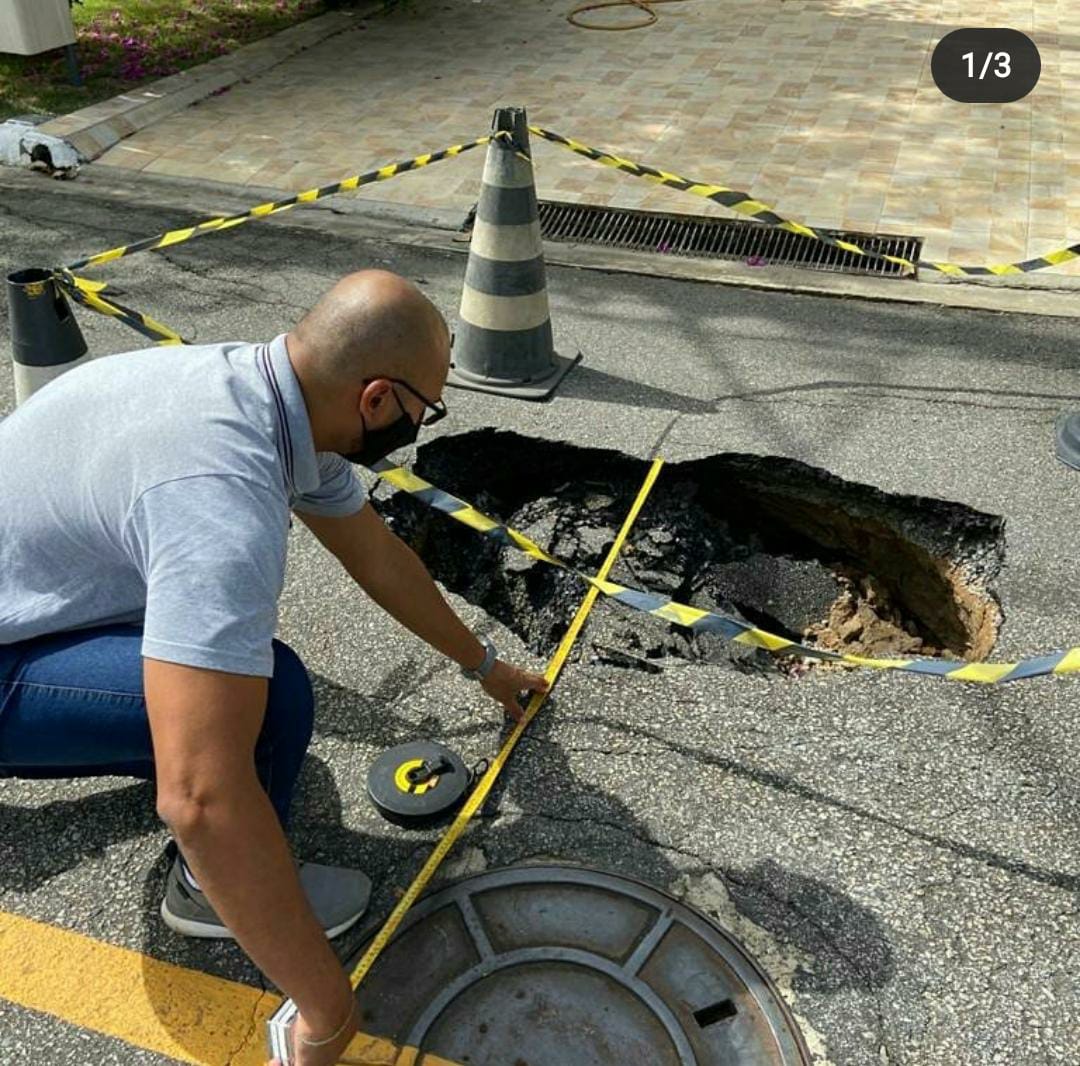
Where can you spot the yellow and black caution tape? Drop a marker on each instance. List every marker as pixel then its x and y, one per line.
pixel 88 294
pixel 701 621
pixel 225 222
pixel 480 793
pixel 745 204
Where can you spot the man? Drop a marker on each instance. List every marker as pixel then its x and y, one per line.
pixel 144 514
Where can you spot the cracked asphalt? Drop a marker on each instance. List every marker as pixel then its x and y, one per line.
pixel 901 853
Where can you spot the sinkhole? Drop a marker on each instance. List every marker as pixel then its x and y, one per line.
pixel 784 546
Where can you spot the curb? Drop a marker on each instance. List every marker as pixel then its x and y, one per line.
pixel 22 144
pixel 83 135
pixel 1048 295
pixel 436 227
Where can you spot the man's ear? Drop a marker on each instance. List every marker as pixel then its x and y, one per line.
pixel 375 391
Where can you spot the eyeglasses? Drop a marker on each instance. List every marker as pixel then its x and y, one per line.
pixel 438 408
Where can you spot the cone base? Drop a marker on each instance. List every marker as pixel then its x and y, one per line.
pixel 536 389
pixel 1067 445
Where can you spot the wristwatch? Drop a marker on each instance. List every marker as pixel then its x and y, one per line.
pixel 482 671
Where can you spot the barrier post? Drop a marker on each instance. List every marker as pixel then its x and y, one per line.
pixel 45 338
pixel 503 340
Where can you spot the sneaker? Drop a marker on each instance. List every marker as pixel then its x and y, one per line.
pixel 338 897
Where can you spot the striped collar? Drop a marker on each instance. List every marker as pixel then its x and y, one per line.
pixel 295 446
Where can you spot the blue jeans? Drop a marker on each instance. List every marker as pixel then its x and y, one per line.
pixel 72 705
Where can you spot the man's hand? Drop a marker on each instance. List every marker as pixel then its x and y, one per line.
pixel 392 574
pixel 505 683
pixel 328 1055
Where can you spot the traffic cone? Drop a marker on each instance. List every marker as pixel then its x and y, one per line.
pixel 503 340
pixel 45 338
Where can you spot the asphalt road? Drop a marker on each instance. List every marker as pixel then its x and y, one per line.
pixel 901 853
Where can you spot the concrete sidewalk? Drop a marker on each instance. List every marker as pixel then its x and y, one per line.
pixel 824 109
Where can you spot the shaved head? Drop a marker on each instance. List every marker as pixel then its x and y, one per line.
pixel 353 350
pixel 372 323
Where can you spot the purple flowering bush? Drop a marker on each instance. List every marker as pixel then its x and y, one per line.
pixel 124 42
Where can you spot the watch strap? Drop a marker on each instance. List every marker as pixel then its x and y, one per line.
pixel 482 671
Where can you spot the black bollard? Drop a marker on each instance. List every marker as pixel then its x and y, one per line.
pixel 45 338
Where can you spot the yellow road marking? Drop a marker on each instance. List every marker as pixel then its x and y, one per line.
pixel 185 1014
pixel 188 1015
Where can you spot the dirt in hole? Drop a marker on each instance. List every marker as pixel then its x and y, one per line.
pixel 787 547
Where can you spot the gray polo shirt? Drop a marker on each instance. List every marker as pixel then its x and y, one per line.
pixel 155 487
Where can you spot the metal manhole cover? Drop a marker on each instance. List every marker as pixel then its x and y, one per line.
pixel 563 966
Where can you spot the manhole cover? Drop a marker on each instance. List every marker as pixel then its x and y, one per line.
pixel 563 966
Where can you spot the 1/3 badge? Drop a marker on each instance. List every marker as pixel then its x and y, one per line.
pixel 986 66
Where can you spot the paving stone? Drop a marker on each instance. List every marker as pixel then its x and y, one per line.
pixel 798 103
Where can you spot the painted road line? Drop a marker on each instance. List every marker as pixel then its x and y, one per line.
pixel 157 1006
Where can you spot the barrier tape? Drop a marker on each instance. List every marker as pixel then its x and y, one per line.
pixel 215 225
pixel 701 621
pixel 480 793
pixel 742 202
pixel 88 294
pixel 746 204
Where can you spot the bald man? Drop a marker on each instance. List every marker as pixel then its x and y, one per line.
pixel 146 507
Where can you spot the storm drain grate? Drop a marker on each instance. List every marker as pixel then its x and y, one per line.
pixel 696 237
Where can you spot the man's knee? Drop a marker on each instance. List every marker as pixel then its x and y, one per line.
pixel 290 707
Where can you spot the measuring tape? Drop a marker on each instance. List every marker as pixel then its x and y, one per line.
pixel 480 793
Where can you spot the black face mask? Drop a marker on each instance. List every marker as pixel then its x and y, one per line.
pixel 379 443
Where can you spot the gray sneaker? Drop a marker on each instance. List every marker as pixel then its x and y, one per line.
pixel 338 897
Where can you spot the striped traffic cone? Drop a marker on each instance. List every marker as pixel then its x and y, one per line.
pixel 45 338
pixel 503 341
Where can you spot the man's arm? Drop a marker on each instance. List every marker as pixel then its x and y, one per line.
pixel 204 725
pixel 393 575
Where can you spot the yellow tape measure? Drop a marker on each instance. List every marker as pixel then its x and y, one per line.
pixel 405 783
pixel 480 793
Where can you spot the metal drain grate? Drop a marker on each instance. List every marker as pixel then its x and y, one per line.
pixel 696 237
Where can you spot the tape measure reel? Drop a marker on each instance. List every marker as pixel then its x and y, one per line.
pixel 418 784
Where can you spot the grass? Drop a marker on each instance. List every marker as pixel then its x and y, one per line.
pixel 124 43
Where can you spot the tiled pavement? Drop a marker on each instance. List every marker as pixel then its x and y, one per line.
pixel 824 109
